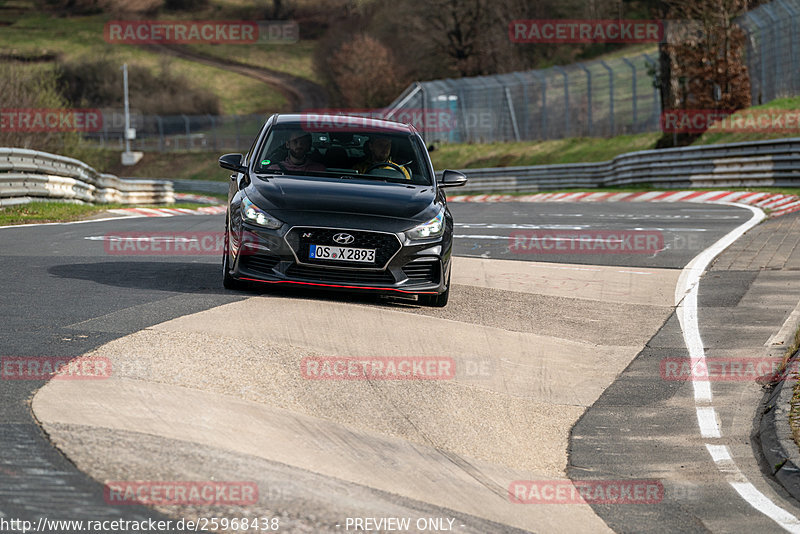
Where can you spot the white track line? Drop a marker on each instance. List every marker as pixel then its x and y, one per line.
pixel 31 225
pixel 707 420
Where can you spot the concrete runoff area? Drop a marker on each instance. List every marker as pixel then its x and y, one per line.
pixel 230 379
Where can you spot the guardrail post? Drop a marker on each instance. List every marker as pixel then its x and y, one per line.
pixel 588 95
pixel 633 88
pixel 610 95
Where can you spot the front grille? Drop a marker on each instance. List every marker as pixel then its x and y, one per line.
pixel 348 276
pixel 422 271
pixel 385 245
pixel 259 263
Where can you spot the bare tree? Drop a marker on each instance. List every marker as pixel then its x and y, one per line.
pixel 705 48
pixel 365 73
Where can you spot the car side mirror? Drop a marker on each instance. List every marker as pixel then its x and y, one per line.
pixel 452 179
pixel 232 162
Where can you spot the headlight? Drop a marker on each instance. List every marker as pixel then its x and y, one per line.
pixel 432 228
pixel 254 214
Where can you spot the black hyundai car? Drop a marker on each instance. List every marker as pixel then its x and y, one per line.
pixel 339 202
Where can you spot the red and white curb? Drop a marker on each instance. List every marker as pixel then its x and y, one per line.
pixel 779 204
pixel 168 212
pixel 191 197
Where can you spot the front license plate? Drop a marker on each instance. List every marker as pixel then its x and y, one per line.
pixel 327 252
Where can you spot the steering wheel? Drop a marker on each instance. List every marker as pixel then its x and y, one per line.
pixel 389 164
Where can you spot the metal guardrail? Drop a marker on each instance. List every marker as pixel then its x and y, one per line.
pixel 29 175
pixel 774 163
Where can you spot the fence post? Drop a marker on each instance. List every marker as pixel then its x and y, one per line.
pixel 236 124
pixel 610 95
pixel 588 95
pixel 160 133
pixel 634 129
pixel 513 115
pixel 188 132
pixel 543 117
pixel 656 111
pixel 105 130
pixel 566 98
pixel 213 130
pixel 525 103
pixel 776 77
pixel 762 96
pixel 792 44
pixel 424 111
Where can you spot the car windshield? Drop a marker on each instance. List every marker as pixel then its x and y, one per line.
pixel 376 155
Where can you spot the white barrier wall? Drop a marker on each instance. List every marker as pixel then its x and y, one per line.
pixel 27 175
pixel 774 163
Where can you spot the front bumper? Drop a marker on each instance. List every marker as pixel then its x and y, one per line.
pixel 281 257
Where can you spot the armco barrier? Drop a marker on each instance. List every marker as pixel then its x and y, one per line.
pixel 774 163
pixel 27 175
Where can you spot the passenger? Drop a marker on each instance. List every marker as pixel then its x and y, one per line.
pixel 378 150
pixel 297 160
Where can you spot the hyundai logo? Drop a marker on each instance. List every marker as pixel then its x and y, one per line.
pixel 344 239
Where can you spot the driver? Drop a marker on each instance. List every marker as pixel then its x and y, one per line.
pixel 378 149
pixel 298 146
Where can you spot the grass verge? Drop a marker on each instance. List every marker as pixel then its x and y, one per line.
pixel 44 212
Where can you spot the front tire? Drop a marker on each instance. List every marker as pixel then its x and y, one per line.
pixel 436 301
pixel 440 300
pixel 228 281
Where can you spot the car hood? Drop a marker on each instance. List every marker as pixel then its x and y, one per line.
pixel 345 196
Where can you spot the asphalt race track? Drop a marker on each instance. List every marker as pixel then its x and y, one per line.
pixel 558 322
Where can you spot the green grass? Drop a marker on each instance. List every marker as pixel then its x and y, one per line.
pixel 82 37
pixel 173 165
pixel 295 58
pixel 711 138
pixel 572 150
pixel 36 212
pixel 43 212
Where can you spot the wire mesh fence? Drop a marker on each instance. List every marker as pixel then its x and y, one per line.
pixel 601 98
pixel 178 132
pixel 594 99
pixel 773 50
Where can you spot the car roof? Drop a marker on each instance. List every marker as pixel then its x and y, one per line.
pixel 349 122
